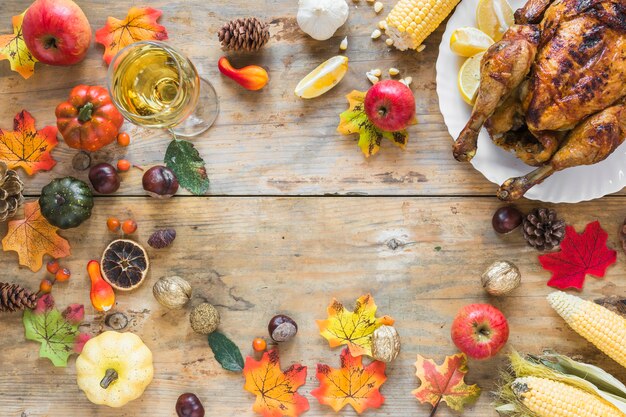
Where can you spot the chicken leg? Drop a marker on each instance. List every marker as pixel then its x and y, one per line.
pixel 504 66
pixel 592 141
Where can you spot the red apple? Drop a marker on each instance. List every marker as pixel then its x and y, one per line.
pixel 56 32
pixel 480 330
pixel 390 105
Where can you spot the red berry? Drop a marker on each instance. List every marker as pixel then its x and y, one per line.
pixel 45 286
pixel 259 344
pixel 129 226
pixel 53 266
pixel 113 224
pixel 123 165
pixel 63 275
pixel 123 139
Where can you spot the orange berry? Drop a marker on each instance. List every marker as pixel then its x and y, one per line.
pixel 45 286
pixel 53 266
pixel 129 226
pixel 259 344
pixel 123 139
pixel 123 165
pixel 113 224
pixel 63 275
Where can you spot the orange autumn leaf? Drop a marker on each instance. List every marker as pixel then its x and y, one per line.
pixel 351 384
pixel 13 48
pixel 33 237
pixel 26 146
pixel 275 390
pixel 139 25
pixel 445 383
pixel 352 328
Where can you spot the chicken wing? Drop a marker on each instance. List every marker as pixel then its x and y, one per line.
pixel 504 66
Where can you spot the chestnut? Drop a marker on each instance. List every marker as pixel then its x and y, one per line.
pixel 282 328
pixel 104 178
pixel 160 182
pixel 188 405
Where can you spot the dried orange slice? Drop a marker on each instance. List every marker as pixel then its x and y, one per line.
pixel 124 264
pixel 323 78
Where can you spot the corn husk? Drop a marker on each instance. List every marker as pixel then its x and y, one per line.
pixel 588 378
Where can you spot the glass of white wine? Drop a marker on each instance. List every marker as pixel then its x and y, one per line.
pixel 154 85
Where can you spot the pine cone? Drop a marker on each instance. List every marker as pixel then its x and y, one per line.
pixel 14 297
pixel 542 229
pixel 249 34
pixel 11 188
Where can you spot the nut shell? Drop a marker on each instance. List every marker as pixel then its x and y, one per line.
pixel 204 319
pixel 172 292
pixel 385 344
pixel 500 278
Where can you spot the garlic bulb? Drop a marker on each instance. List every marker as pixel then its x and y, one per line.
pixel 320 19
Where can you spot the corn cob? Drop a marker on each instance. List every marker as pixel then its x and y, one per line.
pixel 547 398
pixel 600 326
pixel 411 21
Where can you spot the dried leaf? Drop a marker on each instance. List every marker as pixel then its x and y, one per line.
pixel 183 158
pixel 580 254
pixel 33 237
pixel 352 328
pixel 26 146
pixel 275 390
pixel 13 48
pixel 445 383
pixel 354 120
pixel 226 352
pixel 139 25
pixel 351 384
pixel 57 335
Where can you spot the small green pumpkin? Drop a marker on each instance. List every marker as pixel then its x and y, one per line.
pixel 66 202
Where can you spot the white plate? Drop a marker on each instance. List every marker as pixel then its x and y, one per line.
pixel 569 186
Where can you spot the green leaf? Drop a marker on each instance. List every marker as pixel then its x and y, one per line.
pixel 56 335
pixel 226 352
pixel 183 158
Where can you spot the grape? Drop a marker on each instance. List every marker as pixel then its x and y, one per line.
pixel 104 178
pixel 506 219
pixel 188 405
pixel 160 181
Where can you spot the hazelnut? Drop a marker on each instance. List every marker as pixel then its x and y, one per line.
pixel 282 328
pixel 204 319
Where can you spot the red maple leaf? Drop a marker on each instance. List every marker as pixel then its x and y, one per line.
pixel 580 254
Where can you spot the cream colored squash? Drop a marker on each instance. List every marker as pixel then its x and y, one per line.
pixel 114 368
pixel 320 19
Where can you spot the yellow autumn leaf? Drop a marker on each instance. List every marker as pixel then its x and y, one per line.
pixel 13 48
pixel 352 328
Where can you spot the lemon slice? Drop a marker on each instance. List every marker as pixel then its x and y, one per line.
pixel 469 78
pixel 494 17
pixel 323 78
pixel 469 41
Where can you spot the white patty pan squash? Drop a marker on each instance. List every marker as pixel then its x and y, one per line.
pixel 320 19
pixel 114 368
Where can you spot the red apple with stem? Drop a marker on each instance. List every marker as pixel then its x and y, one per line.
pixel 390 105
pixel 56 32
pixel 480 330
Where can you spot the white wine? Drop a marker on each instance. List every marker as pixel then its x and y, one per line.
pixel 154 85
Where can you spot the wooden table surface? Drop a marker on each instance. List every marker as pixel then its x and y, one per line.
pixel 295 215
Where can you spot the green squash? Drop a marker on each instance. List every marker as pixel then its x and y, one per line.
pixel 66 202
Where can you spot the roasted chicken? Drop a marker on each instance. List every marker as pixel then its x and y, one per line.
pixel 551 90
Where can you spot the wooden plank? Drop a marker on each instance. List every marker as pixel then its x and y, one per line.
pixel 267 142
pixel 253 257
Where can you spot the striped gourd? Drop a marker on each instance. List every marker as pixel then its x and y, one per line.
pixel 411 21
pixel 600 326
pixel 547 398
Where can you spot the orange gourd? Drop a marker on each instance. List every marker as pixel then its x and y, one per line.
pixel 102 295
pixel 251 77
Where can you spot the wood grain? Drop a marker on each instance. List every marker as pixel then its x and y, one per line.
pixel 254 257
pixel 266 142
